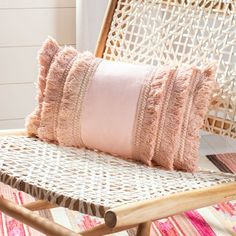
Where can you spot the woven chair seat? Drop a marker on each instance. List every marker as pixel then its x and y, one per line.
pixel 88 181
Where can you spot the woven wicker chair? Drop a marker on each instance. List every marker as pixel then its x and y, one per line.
pixel 128 194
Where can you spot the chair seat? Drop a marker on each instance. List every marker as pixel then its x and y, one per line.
pixel 89 181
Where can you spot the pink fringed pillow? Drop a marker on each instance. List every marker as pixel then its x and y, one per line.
pixel 47 54
pixel 195 111
pixel 140 112
pixel 178 136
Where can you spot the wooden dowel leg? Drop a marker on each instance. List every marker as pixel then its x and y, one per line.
pixel 144 229
pixel 34 220
pixel 103 229
pixel 39 205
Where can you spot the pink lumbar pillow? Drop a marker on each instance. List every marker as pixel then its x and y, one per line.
pixel 139 112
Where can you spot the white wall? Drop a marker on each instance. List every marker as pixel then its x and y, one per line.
pixel 24 25
pixel 89 17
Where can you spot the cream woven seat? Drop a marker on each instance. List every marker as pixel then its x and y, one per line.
pixel 125 193
pixel 95 183
pixel 87 181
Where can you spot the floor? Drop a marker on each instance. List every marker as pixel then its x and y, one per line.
pixel 209 144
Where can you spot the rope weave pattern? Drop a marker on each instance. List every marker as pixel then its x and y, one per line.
pixel 88 181
pixel 182 32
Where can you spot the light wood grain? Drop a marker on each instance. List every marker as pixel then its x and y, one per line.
pixel 105 28
pixel 16 132
pixel 34 220
pixel 144 229
pixel 103 229
pixel 39 205
pixel 158 208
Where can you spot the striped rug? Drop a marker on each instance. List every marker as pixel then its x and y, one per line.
pixel 218 220
pixel 11 227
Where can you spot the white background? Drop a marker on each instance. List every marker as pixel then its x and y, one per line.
pixel 89 19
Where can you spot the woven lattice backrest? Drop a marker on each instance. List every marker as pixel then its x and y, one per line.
pixel 180 31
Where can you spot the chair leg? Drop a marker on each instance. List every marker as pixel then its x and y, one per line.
pixel 144 229
pixel 39 205
pixel 34 220
pixel 103 229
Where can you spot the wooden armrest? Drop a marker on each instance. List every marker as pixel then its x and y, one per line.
pixel 17 132
pixel 162 207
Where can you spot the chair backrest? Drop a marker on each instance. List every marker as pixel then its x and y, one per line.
pixel 180 31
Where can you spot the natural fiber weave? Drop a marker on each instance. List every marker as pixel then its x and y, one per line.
pixel 87 181
pixel 191 31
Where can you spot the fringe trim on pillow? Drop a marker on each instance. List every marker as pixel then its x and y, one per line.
pixel 148 115
pixel 186 118
pixel 171 74
pixel 53 93
pixel 173 120
pixel 189 159
pixel 46 56
pixel 68 129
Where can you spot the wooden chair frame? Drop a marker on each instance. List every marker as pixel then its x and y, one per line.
pixel 139 214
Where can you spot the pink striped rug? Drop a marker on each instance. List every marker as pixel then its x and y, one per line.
pixel 8 225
